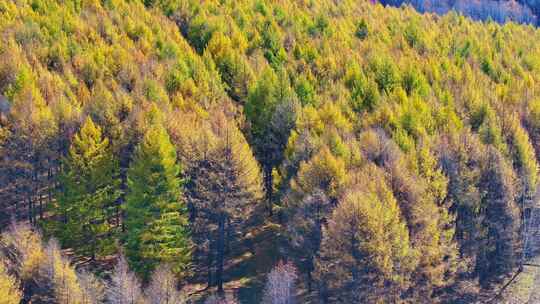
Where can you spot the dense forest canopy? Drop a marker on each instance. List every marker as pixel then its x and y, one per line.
pixel 253 151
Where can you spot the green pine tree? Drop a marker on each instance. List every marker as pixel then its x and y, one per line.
pixel 88 192
pixel 156 219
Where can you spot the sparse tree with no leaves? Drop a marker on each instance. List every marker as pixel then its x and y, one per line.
pixel 163 287
pixel 280 285
pixel 125 287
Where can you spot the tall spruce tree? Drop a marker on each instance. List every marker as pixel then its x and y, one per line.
pixel 156 221
pixel 89 188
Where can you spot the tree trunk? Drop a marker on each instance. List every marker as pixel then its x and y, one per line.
pixel 318 240
pixel 220 253
pixel 50 182
pixel 35 192
pixel 40 207
pixel 269 187
pixel 310 267
pixel 210 262
pixel 30 210
pixel 228 237
pixel 93 246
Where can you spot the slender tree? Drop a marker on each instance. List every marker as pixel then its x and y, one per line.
pixel 271 111
pixel 93 289
pixel 89 190
pixel 156 221
pixel 59 277
pixel 524 162
pixel 125 287
pixel 163 287
pixel 280 285
pixel 224 186
pixel 305 228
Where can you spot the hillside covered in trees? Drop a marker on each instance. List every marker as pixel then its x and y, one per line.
pixel 252 151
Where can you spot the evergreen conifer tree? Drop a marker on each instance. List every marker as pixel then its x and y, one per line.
pixel 89 190
pixel 155 212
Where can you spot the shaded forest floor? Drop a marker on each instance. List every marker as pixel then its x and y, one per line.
pixel 252 256
pixel 246 266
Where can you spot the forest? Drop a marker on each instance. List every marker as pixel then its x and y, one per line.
pixel 258 151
